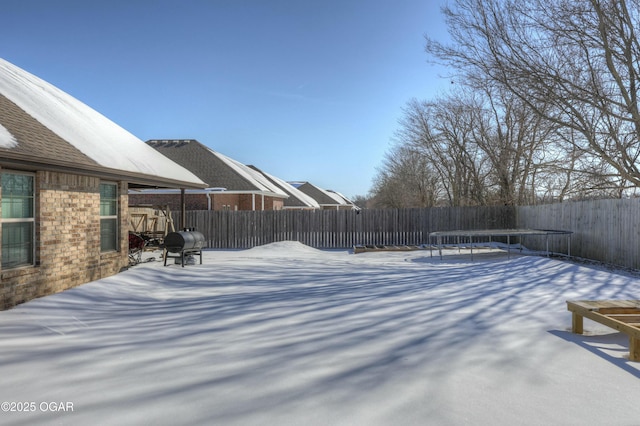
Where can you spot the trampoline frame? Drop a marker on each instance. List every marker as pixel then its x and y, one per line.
pixel 491 233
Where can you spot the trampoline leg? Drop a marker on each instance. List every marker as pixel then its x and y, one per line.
pixel 430 248
pixel 547 242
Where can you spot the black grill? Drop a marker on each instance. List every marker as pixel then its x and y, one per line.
pixel 183 243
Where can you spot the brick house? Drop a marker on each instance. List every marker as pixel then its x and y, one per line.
pixel 327 199
pixel 232 185
pixel 65 171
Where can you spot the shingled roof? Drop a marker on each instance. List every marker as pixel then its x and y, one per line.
pixel 32 139
pixel 325 198
pixel 218 170
pixel 44 128
pixel 297 199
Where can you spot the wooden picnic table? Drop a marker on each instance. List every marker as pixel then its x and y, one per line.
pixel 621 315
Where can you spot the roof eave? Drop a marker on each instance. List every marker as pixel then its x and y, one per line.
pixel 11 160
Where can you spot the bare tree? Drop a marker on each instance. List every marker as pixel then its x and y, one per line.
pixel 511 136
pixel 484 146
pixel 405 180
pixel 574 63
pixel 441 131
pixel 362 201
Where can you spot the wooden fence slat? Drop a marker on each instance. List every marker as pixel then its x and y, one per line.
pixel 603 230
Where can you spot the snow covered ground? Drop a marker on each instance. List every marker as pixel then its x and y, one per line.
pixel 288 335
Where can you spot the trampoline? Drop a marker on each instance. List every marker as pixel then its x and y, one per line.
pixel 459 238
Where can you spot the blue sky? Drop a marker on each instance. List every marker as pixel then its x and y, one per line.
pixel 305 90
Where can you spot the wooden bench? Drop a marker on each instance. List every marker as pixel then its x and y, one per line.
pixel 621 315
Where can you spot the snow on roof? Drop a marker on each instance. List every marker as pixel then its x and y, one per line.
pixel 331 194
pixel 340 200
pixel 7 140
pixel 93 134
pixel 256 178
pixel 294 191
pixel 339 194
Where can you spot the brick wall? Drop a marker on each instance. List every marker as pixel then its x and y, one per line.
pixel 67 239
pixel 225 201
pixel 271 203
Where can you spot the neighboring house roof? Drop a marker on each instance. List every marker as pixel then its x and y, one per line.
pixel 216 169
pixel 342 198
pixel 42 127
pixel 297 198
pixel 323 197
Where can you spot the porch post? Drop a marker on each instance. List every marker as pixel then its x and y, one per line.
pixel 183 208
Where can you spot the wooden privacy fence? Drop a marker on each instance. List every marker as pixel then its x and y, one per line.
pixel 340 229
pixel 603 230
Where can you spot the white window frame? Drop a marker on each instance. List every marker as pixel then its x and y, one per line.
pixel 113 217
pixel 31 220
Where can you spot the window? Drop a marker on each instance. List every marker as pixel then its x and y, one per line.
pixel 18 223
pixel 108 217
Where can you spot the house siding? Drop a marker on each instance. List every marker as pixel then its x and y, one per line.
pixel 67 253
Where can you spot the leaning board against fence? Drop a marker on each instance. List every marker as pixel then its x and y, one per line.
pixel 340 229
